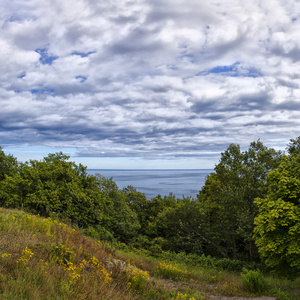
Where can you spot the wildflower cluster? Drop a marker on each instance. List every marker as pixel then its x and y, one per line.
pixel 181 296
pixel 5 255
pixel 23 220
pixel 74 272
pixel 94 261
pixel 99 270
pixel 26 255
pixel 170 272
pixel 44 266
pixel 216 277
pixel 137 278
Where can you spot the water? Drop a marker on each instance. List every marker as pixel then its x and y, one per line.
pixel 154 182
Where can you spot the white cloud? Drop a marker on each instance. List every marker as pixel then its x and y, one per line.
pixel 149 78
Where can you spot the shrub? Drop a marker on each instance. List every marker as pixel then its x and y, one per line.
pixel 253 281
pixel 137 279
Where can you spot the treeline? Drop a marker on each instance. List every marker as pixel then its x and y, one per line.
pixel 248 209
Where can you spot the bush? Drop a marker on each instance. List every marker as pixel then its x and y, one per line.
pixel 281 295
pixel 253 281
pixel 137 279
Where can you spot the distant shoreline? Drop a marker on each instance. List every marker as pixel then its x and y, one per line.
pixel 153 182
pixel 150 169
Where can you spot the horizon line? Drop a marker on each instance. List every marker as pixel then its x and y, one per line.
pixel 146 169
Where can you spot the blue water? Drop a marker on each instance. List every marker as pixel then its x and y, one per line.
pixel 155 182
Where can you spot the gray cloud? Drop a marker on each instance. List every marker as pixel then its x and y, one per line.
pixel 150 79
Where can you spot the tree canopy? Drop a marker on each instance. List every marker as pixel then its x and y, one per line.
pixel 58 187
pixel 277 231
pixel 228 197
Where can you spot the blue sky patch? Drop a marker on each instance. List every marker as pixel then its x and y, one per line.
pixel 45 59
pixel 81 79
pixel 225 69
pixel 43 91
pixel 82 54
pixel 234 70
pixel 22 75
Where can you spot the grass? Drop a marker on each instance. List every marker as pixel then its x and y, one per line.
pixel 45 259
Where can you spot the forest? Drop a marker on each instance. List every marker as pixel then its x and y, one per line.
pixel 248 210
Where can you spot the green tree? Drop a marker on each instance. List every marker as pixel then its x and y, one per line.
pixel 154 208
pixel 54 185
pixel 182 226
pixel 8 165
pixel 228 198
pixel 277 231
pixel 139 203
pixel 293 147
pixel 119 217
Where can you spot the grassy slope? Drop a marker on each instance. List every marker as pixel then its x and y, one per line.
pixel 44 259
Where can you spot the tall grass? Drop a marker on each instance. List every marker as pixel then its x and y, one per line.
pixel 46 259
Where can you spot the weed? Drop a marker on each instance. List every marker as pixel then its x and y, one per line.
pixel 170 272
pixel 26 255
pixel 41 257
pixel 253 281
pixel 181 296
pixel 61 254
pixel 281 295
pixel 137 279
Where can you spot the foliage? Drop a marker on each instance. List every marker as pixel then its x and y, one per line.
pixel 26 255
pixel 169 271
pixel 181 296
pixel 277 231
pixel 227 199
pixel 138 202
pixel 138 279
pixel 44 244
pixel 8 165
pixel 27 267
pixel 178 226
pixel 293 148
pixel 253 281
pixel 219 223
pixel 57 187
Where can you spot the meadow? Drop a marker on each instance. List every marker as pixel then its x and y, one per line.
pixel 43 258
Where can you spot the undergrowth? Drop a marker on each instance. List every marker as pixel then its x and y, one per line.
pixel 42 258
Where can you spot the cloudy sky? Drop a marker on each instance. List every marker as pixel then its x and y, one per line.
pixel 147 83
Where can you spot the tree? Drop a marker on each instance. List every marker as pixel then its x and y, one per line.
pixel 119 217
pixel 228 198
pixel 139 203
pixel 293 147
pixel 277 231
pixel 182 226
pixel 8 165
pixel 56 186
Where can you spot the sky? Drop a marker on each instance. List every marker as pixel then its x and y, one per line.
pixel 147 84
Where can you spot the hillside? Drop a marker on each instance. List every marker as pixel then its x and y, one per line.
pixel 41 258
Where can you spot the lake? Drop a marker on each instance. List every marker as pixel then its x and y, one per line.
pixel 153 182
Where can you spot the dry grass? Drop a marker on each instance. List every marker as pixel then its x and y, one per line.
pixel 45 259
